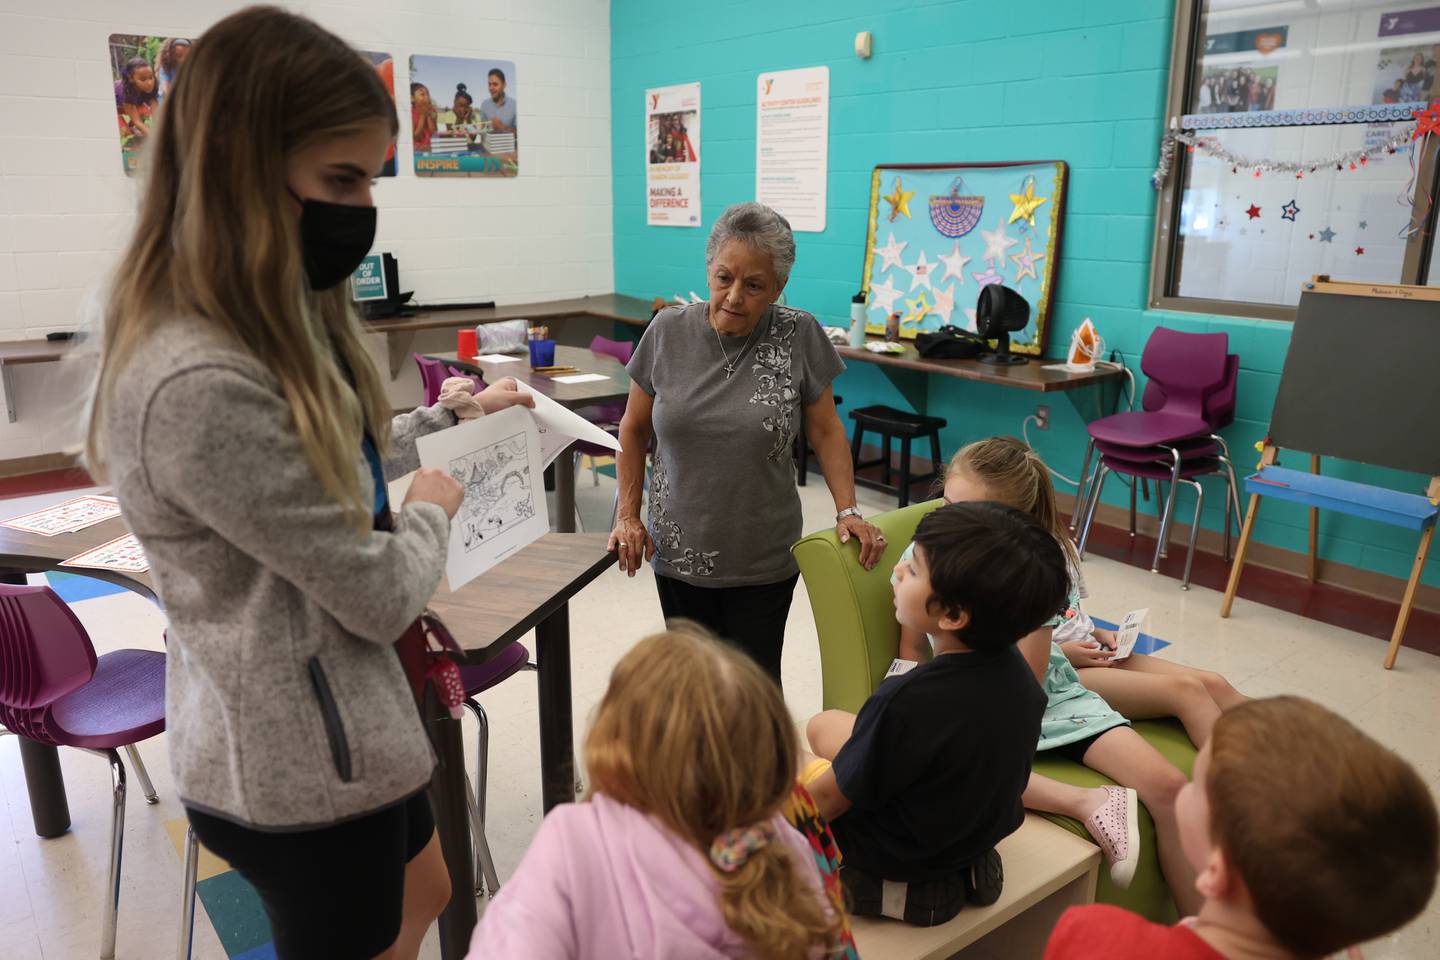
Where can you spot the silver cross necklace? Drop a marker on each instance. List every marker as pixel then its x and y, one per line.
pixel 731 365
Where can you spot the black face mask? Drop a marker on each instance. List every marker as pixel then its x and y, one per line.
pixel 334 238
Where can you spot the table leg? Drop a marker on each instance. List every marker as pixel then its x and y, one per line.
pixel 452 822
pixel 557 734
pixel 49 807
pixel 565 494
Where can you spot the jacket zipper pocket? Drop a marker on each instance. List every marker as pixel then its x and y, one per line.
pixel 330 714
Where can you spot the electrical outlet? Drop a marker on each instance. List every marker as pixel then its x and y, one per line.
pixel 1042 417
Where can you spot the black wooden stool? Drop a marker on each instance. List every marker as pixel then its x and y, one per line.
pixel 802 447
pixel 889 422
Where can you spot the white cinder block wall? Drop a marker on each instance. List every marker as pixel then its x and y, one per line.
pixel 65 204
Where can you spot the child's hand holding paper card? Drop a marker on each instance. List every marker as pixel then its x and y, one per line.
pixel 1129 632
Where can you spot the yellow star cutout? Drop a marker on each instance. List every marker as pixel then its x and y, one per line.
pixel 1025 204
pixel 899 200
pixel 918 308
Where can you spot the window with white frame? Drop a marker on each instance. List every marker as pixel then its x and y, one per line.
pixel 1292 152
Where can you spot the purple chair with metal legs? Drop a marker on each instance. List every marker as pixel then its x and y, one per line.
pixel 1193 396
pixel 476 680
pixel 54 690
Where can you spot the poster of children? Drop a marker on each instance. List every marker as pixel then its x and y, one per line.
pixel 1406 74
pixel 142 70
pixel 385 66
pixel 463 117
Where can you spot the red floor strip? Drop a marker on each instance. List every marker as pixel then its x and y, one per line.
pixel 51 481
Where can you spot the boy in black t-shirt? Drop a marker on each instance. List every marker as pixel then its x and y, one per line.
pixel 928 777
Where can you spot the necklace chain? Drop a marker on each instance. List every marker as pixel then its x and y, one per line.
pixel 730 365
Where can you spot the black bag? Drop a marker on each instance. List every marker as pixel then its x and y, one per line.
pixel 950 343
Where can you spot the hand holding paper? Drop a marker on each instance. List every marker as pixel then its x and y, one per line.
pixel 1129 632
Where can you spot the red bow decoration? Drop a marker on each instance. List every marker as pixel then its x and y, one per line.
pixel 1426 121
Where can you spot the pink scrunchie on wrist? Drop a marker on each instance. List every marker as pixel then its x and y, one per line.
pixel 457 394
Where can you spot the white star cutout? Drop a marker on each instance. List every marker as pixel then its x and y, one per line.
pixel 884 295
pixel 944 304
pixel 955 264
pixel 970 321
pixel 920 272
pixel 998 242
pixel 890 253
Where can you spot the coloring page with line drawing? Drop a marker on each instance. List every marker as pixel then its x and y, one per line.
pixel 497 459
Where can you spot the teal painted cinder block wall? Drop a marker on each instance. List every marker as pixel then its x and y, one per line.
pixel 1083 81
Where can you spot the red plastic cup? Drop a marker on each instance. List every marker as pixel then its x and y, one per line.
pixel 465 344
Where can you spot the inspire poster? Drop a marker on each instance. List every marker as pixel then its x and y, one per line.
pixel 463 117
pixel 672 155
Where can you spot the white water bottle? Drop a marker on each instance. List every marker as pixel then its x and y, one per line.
pixel 857 320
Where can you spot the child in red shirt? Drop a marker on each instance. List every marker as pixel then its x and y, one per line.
pixel 1307 837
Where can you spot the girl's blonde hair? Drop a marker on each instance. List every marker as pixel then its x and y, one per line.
pixel 695 734
pixel 215 241
pixel 1015 475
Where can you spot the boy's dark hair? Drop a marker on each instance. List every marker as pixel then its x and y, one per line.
pixel 999 564
pixel 497 72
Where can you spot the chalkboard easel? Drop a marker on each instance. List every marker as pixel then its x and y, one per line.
pixel 1361 382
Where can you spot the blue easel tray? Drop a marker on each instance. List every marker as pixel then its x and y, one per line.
pixel 1408 510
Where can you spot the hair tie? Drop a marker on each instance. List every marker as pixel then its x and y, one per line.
pixel 732 848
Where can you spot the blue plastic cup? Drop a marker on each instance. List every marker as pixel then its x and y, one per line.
pixel 542 353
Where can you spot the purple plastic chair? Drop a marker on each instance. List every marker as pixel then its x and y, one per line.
pixel 1188 368
pixel 54 690
pixel 477 679
pixel 433 373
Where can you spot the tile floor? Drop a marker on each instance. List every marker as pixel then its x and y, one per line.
pixel 50 891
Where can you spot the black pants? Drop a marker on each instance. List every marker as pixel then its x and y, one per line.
pixel 332 893
pixel 750 617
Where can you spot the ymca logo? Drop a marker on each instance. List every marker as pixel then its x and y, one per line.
pixel 654 101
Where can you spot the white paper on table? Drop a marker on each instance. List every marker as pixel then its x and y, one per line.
pixel 580 378
pixel 559 427
pixel 496 358
pixel 1129 632
pixel 67 517
pixel 122 553
pixel 497 459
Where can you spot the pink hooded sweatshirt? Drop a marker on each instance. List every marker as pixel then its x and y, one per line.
pixel 603 881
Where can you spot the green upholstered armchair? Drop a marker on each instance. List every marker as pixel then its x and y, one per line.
pixel 855 619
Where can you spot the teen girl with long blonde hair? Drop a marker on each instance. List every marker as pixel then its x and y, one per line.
pixel 249 439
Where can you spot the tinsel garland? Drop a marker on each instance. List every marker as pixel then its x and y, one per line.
pixel 1210 147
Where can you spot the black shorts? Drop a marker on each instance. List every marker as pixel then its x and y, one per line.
pixel 335 893
pixel 1075 750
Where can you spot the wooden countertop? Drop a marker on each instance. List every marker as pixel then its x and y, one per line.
pixel 1030 375
pixel 610 306
pixel 35 351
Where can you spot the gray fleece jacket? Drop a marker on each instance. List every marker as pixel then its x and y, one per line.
pixel 286 707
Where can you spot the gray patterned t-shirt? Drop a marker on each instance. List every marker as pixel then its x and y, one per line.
pixel 723 505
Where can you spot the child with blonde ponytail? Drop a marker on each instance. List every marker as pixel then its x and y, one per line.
pixel 682 849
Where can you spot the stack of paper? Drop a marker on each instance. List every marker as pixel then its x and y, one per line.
pixel 498 142
pixel 447 144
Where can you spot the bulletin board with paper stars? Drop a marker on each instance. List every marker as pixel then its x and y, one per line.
pixel 938 234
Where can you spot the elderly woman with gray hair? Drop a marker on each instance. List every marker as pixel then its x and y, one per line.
pixel 721 386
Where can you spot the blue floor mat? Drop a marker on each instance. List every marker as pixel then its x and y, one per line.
pixel 72 587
